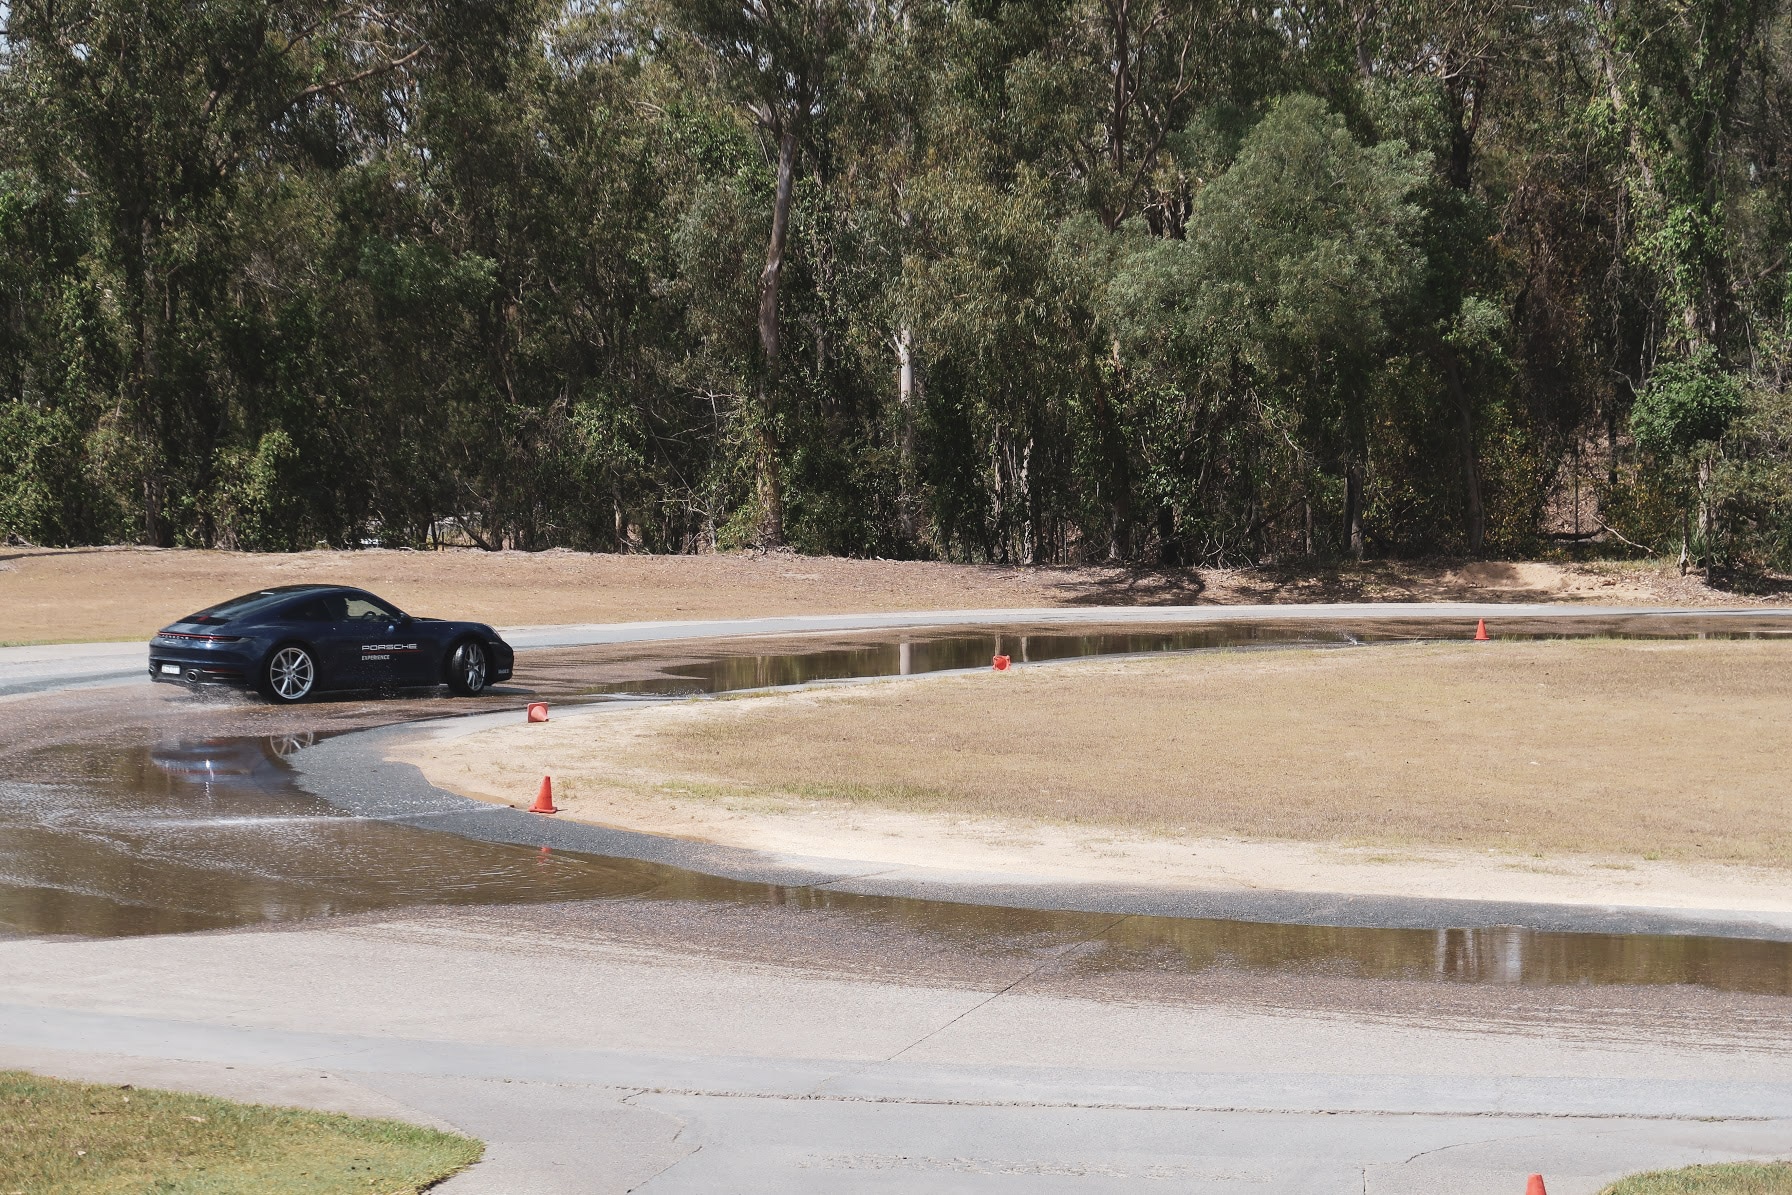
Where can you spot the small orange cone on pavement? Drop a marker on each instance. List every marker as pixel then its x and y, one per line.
pixel 1480 630
pixel 544 800
pixel 1000 663
pixel 1535 1186
pixel 538 711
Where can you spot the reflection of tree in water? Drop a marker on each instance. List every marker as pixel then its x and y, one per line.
pixel 914 652
pixel 1116 944
pixel 1492 955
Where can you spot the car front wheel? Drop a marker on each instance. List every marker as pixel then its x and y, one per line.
pixel 289 675
pixel 468 669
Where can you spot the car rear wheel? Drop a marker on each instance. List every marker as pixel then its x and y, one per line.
pixel 468 669
pixel 289 675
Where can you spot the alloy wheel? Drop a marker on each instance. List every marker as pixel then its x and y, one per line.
pixel 473 667
pixel 290 673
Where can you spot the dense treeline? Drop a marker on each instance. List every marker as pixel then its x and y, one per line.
pixel 1182 281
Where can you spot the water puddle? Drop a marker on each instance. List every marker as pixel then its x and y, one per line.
pixel 914 654
pixel 186 833
pixel 211 833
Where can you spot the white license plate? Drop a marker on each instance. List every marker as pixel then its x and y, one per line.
pixel 170 669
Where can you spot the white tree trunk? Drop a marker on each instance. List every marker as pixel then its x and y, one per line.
pixel 905 400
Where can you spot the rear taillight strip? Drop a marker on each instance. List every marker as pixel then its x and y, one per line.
pixel 199 638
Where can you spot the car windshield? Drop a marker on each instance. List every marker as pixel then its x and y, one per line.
pixel 237 607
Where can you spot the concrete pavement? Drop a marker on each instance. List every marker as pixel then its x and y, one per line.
pixel 594 1062
pixel 606 1066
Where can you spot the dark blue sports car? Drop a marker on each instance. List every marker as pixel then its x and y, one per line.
pixel 295 640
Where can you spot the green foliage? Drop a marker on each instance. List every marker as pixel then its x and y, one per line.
pixel 47 495
pixel 1304 243
pixel 1686 403
pixel 1752 483
pixel 1267 322
pixel 260 494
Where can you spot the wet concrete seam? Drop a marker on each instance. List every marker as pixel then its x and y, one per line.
pixel 1248 1109
pixel 1053 960
pixel 869 875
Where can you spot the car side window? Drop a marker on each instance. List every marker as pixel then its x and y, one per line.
pixel 333 608
pixel 366 608
pixel 314 610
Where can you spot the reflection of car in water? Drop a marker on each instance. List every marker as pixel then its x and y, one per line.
pixel 295 640
pixel 232 762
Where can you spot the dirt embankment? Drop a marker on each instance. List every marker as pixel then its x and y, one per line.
pixel 1636 773
pixel 95 594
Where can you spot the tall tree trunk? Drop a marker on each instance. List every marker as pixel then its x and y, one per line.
pixel 1114 456
pixel 143 381
pixel 1120 21
pixel 1353 508
pixel 905 400
pixel 1029 547
pixel 1706 556
pixel 1471 463
pixel 771 487
pixel 1120 11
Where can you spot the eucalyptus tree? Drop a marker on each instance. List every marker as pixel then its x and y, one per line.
pixel 782 61
pixel 1114 82
pixel 1439 73
pixel 167 122
pixel 1673 72
pixel 1296 257
pixel 1680 416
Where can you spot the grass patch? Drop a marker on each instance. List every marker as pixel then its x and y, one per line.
pixel 94 1139
pixel 1737 1178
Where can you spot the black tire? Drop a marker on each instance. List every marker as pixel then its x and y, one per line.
pixel 289 674
pixel 469 668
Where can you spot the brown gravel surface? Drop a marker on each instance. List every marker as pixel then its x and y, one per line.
pixel 98 594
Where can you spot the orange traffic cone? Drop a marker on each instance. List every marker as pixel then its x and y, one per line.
pixel 544 800
pixel 538 711
pixel 1535 1186
pixel 1480 630
pixel 1000 663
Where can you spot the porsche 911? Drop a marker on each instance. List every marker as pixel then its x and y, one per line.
pixel 292 641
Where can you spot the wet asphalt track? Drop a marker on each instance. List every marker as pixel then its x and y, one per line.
pixel 769 1037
